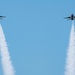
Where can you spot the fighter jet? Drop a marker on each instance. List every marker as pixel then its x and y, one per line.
pixel 1 17
pixel 72 17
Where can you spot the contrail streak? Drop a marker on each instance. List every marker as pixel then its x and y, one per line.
pixel 70 61
pixel 5 58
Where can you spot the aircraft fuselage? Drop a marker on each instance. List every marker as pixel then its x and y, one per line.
pixel 72 17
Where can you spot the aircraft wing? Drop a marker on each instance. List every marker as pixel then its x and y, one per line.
pixel 74 16
pixel 67 17
pixel 1 17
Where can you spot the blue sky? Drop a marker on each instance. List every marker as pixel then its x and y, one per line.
pixel 37 34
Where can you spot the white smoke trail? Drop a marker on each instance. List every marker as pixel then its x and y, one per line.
pixel 70 62
pixel 5 58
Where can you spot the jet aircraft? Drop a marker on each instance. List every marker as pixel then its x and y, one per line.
pixel 72 17
pixel 1 17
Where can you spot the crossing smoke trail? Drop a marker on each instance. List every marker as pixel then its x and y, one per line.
pixel 70 61
pixel 5 58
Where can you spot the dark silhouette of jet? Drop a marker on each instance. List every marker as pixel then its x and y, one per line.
pixel 1 17
pixel 72 17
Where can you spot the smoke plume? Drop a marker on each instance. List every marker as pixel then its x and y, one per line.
pixel 70 61
pixel 5 57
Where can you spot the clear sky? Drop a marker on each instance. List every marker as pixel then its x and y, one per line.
pixel 37 34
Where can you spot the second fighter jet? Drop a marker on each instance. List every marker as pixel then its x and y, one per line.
pixel 72 17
